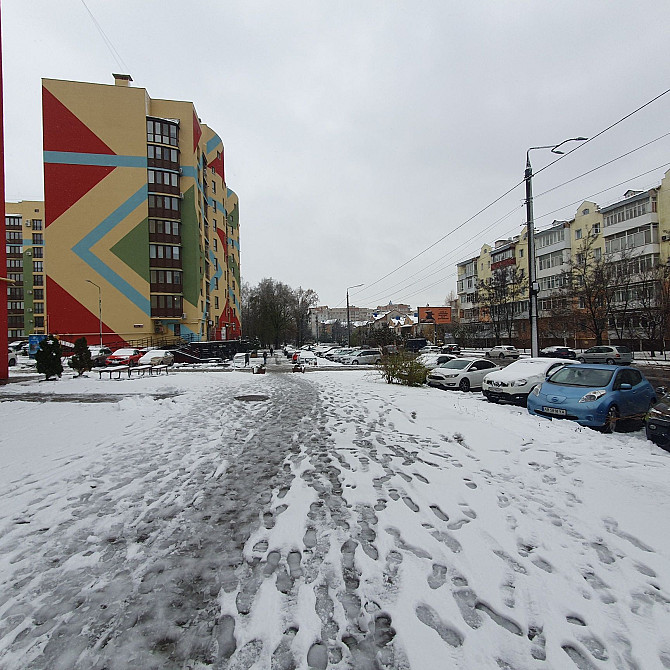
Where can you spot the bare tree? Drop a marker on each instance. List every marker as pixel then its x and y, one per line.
pixel 500 296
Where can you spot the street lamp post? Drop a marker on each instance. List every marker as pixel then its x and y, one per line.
pixel 99 307
pixel 348 319
pixel 533 286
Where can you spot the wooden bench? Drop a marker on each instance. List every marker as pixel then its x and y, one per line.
pixel 140 369
pixel 158 368
pixel 112 369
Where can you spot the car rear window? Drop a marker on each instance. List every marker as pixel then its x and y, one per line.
pixel 576 375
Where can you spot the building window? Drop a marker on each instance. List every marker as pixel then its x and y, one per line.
pixel 38 252
pixel 164 132
pixel 578 234
pixel 38 238
pixel 13 249
pixel 38 294
pixel 38 307
pixel 596 228
pixel 38 280
pixel 585 211
pixel 37 224
pixel 216 302
pixel 39 322
pixel 15 263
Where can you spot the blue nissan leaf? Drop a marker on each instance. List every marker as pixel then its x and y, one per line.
pixel 593 395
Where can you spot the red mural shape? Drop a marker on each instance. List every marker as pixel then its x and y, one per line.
pixel 65 184
pixel 218 165
pixel 68 316
pixel 197 131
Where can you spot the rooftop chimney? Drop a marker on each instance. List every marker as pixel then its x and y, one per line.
pixel 122 79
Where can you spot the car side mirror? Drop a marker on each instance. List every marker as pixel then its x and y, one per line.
pixel 625 387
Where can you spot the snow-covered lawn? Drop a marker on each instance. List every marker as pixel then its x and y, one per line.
pixel 340 523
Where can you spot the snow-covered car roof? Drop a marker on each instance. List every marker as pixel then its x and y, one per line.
pixel 528 366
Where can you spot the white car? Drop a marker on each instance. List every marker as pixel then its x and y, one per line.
pixel 516 381
pixel 503 351
pixel 12 359
pixel 461 373
pixel 432 360
pixel 430 349
pixel 307 358
pixel 157 357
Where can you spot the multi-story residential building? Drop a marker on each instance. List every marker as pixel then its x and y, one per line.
pixel 634 230
pixel 138 213
pixel 318 316
pixel 24 222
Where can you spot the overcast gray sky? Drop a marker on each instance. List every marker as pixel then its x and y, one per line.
pixel 359 133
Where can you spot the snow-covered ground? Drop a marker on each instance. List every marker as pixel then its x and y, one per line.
pixel 339 523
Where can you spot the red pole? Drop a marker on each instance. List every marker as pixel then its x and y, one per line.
pixel 4 368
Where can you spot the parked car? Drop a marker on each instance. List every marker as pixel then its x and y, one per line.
pixel 157 357
pixel 99 354
pixel 657 423
pixel 431 361
pixel 124 357
pixel 339 354
pixel 451 349
pixel 503 351
pixel 607 354
pixel 516 381
pixel 18 345
pixel 364 357
pixel 559 352
pixel 593 395
pixel 239 360
pixel 307 358
pixel 461 373
pixel 430 349
pixel 12 360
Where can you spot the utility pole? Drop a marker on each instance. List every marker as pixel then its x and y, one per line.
pixel 348 318
pixel 4 323
pixel 533 285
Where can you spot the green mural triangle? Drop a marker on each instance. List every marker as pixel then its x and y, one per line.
pixel 133 249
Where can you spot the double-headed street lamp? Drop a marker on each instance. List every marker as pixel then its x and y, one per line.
pixel 348 319
pixel 533 287
pixel 99 307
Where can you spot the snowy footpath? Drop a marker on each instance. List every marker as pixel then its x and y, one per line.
pixel 325 520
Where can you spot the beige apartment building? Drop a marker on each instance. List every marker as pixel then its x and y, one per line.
pixel 634 229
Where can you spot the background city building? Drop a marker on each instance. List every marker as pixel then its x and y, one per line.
pixel 624 246
pixel 26 296
pixel 137 205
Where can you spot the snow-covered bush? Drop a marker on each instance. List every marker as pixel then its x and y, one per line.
pixel 402 368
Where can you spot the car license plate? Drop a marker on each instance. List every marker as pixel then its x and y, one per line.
pixel 555 410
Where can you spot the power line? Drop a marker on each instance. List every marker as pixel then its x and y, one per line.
pixel 112 49
pixel 506 193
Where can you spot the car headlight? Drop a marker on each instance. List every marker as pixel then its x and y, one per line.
pixel 450 376
pixel 592 396
pixel 519 382
pixel 536 390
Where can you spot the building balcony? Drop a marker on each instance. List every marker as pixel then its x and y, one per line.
pixel 166 313
pixel 162 237
pixel 164 188
pixel 503 264
pixel 166 288
pixel 165 262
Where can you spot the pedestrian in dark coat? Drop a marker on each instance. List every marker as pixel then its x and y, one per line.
pixel 246 359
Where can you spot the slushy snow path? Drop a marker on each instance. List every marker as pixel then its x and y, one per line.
pixel 341 523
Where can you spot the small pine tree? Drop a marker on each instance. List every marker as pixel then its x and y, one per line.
pixel 81 358
pixel 48 357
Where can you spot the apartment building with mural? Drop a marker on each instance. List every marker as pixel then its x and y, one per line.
pixel 634 229
pixel 26 293
pixel 138 214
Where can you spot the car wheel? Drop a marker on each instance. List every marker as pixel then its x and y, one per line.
pixel 354 362
pixel 611 420
pixel 464 385
pixel 501 356
pixel 378 361
pixel 581 359
pixel 488 354
pixel 610 361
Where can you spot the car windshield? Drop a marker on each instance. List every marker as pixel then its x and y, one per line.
pixel 456 364
pixel 124 352
pixel 576 375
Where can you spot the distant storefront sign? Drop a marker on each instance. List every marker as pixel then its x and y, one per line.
pixel 436 315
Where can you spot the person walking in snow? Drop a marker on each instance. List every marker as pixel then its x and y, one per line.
pixel 246 359
pixel 265 358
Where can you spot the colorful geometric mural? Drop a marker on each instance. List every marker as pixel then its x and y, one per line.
pixel 126 207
